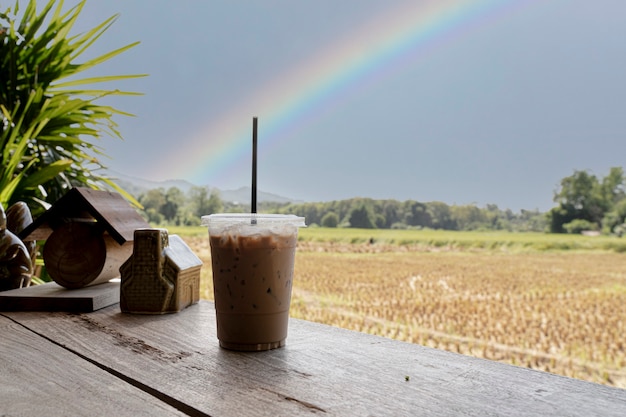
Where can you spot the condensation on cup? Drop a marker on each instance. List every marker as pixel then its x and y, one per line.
pixel 252 257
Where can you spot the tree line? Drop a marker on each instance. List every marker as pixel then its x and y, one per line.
pixel 174 207
pixel 584 203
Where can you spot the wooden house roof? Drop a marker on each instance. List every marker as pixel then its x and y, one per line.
pixel 115 214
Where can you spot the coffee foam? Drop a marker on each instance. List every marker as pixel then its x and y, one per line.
pixel 282 236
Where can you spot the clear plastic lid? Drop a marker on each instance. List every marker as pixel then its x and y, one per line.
pixel 231 219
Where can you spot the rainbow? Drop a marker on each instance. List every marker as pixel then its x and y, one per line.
pixel 297 96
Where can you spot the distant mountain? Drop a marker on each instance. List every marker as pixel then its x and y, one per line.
pixel 243 195
pixel 137 186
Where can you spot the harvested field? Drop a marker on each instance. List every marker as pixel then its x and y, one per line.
pixel 557 311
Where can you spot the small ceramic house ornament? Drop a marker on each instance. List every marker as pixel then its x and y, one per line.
pixel 88 236
pixel 161 276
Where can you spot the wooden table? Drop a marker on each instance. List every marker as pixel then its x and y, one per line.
pixel 112 364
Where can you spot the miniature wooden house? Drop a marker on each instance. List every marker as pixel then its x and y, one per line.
pixel 88 234
pixel 161 276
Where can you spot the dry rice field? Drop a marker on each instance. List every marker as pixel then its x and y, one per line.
pixel 562 311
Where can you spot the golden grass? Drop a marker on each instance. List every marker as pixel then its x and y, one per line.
pixel 557 311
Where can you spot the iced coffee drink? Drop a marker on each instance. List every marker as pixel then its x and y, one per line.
pixel 253 261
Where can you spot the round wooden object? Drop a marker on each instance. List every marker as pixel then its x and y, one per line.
pixel 78 254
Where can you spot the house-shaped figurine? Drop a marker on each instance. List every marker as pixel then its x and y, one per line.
pixel 162 275
pixel 88 236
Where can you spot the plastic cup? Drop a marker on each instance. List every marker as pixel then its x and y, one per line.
pixel 252 257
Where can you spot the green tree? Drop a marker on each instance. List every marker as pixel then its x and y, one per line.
pixel 583 197
pixel 415 214
pixel 441 215
pixel 174 200
pixel 47 123
pixel 613 187
pixel 557 217
pixel 215 204
pixel 468 217
pixel 311 212
pixel 379 221
pixel 531 221
pixel 153 216
pixel 615 218
pixel 391 210
pixel 581 193
pixel 361 217
pixel 330 219
pixel 154 198
pixel 204 203
pixel 198 198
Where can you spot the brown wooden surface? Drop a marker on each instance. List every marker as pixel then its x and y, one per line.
pixel 53 297
pixel 40 378
pixel 323 370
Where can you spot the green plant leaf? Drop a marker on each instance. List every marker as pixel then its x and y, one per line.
pixel 49 125
pixel 46 173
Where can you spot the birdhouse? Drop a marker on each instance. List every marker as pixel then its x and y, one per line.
pixel 88 235
pixel 161 276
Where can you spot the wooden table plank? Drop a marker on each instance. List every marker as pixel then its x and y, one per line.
pixel 322 370
pixel 53 297
pixel 37 377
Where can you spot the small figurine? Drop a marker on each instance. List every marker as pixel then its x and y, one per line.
pixel 19 218
pixel 161 276
pixel 16 266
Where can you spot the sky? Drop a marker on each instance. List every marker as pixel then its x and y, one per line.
pixel 464 102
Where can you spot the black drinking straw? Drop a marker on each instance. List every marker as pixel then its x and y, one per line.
pixel 254 152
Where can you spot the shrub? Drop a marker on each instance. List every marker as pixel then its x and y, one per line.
pixel 579 226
